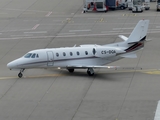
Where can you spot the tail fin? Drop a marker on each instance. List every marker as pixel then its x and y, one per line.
pixel 139 33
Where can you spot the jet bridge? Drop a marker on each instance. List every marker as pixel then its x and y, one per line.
pixel 95 5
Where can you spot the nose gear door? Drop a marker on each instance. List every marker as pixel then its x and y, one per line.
pixel 50 58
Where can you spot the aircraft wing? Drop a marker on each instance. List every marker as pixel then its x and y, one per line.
pixel 103 67
pixel 90 66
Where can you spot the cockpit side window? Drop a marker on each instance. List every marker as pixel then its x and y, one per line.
pixel 28 55
pixel 37 56
pixel 33 56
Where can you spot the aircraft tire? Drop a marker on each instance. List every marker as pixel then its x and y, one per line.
pixel 90 72
pixel 20 75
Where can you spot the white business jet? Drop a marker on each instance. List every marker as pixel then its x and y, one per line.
pixel 84 56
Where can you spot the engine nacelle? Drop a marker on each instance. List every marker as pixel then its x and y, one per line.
pixel 105 52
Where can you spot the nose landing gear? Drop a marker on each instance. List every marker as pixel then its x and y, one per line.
pixel 20 73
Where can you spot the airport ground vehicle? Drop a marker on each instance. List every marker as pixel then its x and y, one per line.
pixel 104 5
pixel 130 4
pixel 147 4
pixel 116 4
pixel 95 5
pixel 137 6
pixel 158 5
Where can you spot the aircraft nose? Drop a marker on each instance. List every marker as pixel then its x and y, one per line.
pixel 11 65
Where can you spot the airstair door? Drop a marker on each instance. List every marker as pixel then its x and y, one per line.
pixel 50 58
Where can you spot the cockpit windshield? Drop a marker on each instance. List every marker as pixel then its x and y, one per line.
pixel 31 55
pixel 28 55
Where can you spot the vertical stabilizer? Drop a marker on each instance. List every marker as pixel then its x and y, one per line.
pixel 139 33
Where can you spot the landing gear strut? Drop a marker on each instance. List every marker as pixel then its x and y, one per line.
pixel 20 73
pixel 90 71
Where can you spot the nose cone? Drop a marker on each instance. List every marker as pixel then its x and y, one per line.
pixel 11 65
pixel 14 64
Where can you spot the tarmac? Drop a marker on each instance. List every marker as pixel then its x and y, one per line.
pixel 129 93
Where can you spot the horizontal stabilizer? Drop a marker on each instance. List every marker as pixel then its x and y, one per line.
pixel 123 37
pixel 133 55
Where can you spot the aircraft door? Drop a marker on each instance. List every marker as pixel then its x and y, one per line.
pixel 50 58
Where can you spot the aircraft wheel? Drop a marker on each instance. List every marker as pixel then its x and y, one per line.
pixel 71 70
pixel 20 75
pixel 90 71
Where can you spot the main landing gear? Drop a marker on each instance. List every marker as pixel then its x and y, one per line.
pixel 90 71
pixel 71 70
pixel 20 73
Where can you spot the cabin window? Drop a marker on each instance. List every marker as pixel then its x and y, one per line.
pixel 94 51
pixel 64 54
pixel 71 53
pixel 86 52
pixel 57 54
pixel 77 53
pixel 33 56
pixel 28 55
